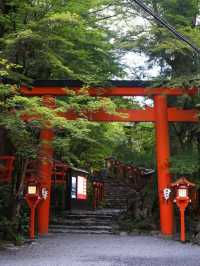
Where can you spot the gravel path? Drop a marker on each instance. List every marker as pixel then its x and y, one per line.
pixel 102 250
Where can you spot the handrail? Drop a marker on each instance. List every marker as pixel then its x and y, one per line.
pixel 98 193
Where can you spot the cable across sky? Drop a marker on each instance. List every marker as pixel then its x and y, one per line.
pixel 167 25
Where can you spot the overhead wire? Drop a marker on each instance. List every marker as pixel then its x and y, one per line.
pixel 166 25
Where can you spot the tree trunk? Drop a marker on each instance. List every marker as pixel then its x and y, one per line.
pixel 18 197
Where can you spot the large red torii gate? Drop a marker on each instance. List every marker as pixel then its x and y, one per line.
pixel 160 114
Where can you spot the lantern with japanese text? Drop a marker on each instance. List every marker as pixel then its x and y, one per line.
pixel 182 188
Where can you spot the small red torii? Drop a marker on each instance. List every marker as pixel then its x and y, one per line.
pixel 160 114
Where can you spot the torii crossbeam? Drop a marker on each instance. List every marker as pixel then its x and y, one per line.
pixel 160 114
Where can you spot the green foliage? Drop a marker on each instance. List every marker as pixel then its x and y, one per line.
pixel 8 229
pixel 59 192
pixel 52 40
pixel 90 193
pixel 71 40
pixel 175 58
pixel 186 164
pixel 56 39
pixel 179 66
pixel 138 145
pixel 90 147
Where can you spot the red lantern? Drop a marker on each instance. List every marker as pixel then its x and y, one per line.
pixel 33 198
pixel 182 188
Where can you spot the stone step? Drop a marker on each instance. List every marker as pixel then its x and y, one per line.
pixel 115 204
pixel 77 227
pixel 115 184
pixel 115 193
pixel 76 231
pixel 82 223
pixel 123 195
pixel 111 197
pixel 100 221
pixel 115 187
pixel 86 218
pixel 116 200
pixel 119 184
pixel 119 206
pixel 91 213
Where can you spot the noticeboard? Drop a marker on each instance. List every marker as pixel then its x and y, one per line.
pixel 82 188
pixel 74 187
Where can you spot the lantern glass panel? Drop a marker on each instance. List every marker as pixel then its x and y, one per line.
pixel 32 190
pixel 182 192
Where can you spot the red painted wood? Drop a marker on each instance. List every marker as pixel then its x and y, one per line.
pixel 161 115
pixel 125 115
pixel 163 155
pixel 182 204
pixel 182 214
pixel 32 224
pixel 179 115
pixel 147 115
pixel 32 203
pixel 98 190
pixel 45 171
pixel 107 92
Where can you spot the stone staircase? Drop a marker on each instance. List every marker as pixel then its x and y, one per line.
pixel 100 221
pixel 85 222
pixel 115 194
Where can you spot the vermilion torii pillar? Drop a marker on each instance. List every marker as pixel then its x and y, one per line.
pixel 45 168
pixel 161 115
pixel 163 156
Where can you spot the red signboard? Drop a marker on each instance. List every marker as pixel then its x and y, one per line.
pixel 82 188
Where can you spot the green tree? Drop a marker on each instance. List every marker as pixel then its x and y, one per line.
pixel 179 65
pixel 56 39
pixel 49 40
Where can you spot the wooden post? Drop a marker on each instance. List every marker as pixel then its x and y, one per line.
pixel 45 170
pixel 32 224
pixel 32 202
pixel 163 153
pixel 182 214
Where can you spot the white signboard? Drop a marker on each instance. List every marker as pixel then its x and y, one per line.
pixel 73 189
pixel 82 188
